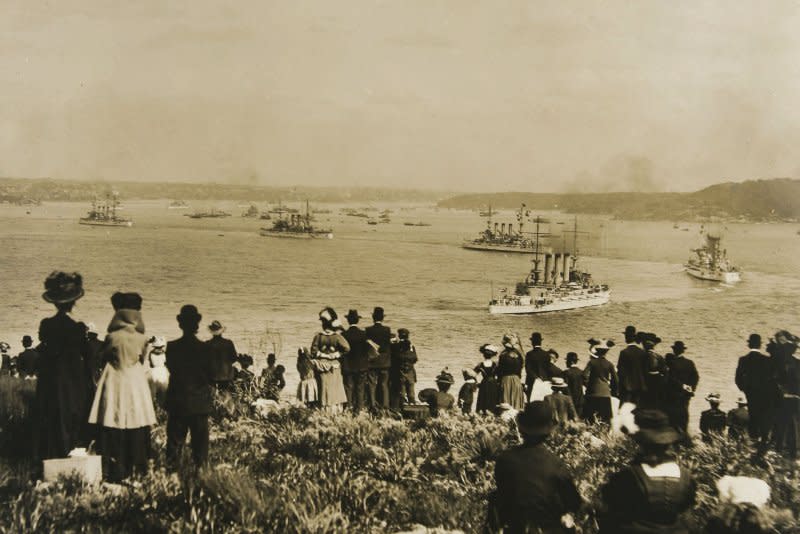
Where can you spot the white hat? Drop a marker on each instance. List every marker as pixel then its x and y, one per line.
pixel 743 490
pixel 159 342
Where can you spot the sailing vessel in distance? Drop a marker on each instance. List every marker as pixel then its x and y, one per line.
pixel 711 262
pixel 502 237
pixel 295 226
pixel 560 286
pixel 105 213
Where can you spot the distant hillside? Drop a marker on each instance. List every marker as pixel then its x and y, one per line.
pixel 18 190
pixel 756 200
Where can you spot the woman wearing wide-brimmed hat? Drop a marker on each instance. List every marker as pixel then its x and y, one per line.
pixel 123 405
pixel 489 387
pixel 327 349
pixel 509 371
pixel 650 495
pixel 783 349
pixel 63 389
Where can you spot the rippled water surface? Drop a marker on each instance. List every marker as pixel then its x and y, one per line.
pixel 270 290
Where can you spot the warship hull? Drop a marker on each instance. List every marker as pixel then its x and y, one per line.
pixel 524 305
pixel 713 275
pixel 90 222
pixel 517 249
pixel 296 235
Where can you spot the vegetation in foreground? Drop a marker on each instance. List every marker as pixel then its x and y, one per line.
pixel 292 470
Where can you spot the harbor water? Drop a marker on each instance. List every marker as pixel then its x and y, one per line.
pixel 268 291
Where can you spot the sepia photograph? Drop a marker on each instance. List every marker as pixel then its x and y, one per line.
pixel 400 266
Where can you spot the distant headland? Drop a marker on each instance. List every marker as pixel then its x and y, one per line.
pixel 776 199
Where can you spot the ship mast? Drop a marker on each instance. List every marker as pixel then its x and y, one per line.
pixel 536 272
pixel 574 232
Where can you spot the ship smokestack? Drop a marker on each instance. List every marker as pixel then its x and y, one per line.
pixel 510 229
pixel 548 260
pixel 502 228
pixel 565 272
pixel 556 268
pixel 495 228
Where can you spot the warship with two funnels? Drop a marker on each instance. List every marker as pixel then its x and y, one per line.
pixel 560 286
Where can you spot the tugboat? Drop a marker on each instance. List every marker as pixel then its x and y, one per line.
pixel 505 238
pixel 562 286
pixel 711 263
pixel 296 226
pixel 105 213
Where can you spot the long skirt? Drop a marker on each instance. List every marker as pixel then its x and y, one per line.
pixel 124 451
pixel 307 391
pixel 488 395
pixel 331 388
pixel 511 391
pixel 787 429
pixel 597 406
pixel 123 399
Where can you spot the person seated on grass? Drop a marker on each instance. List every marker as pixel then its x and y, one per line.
pixel 535 490
pixel 713 420
pixel 439 400
pixel 561 402
pixel 738 419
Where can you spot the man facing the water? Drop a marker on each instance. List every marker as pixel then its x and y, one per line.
pixel 756 377
pixel 357 362
pixel 682 383
pixel 379 367
pixel 631 368
pixel 223 355
pixel 537 364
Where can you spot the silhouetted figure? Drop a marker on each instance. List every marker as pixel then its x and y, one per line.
pixel 631 368
pixel 739 419
pixel 28 359
pixel 356 380
pixel 489 387
pixel 573 376
pixel 223 355
pixel 439 400
pixel 466 395
pixel 682 380
pixel 713 421
pixel 600 378
pixel 537 364
pixel 756 378
pixel 379 367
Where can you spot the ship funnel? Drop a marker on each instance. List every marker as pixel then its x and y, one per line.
pixel 510 229
pixel 503 228
pixel 557 268
pixel 565 271
pixel 548 260
pixel 495 228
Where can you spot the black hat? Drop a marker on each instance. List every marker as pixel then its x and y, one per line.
pixel 754 341
pixel 403 333
pixel 536 338
pixel 654 428
pixel 630 331
pixel 216 327
pixel 650 338
pixel 678 346
pixel 27 340
pixel 536 419
pixel 61 287
pixel 377 313
pixel 189 313
pixel 126 301
pixel 245 359
pixel 352 316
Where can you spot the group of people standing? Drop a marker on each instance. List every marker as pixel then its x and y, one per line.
pixel 366 369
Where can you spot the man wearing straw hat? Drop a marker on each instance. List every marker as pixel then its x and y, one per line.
pixel 535 491
pixel 223 355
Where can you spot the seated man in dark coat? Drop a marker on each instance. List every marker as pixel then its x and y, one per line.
pixel 535 491
pixel 561 402
pixel 738 419
pixel 713 420
pixel 189 392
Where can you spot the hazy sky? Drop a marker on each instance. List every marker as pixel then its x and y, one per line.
pixel 459 94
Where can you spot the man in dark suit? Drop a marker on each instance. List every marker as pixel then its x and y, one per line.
pixel 223 355
pixel 756 378
pixel 537 364
pixel 188 400
pixel 574 379
pixel 535 491
pixel 561 402
pixel 358 364
pixel 379 367
pixel 631 369
pixel 682 383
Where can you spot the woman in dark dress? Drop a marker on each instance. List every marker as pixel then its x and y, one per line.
pixel 649 496
pixel 783 349
pixel 509 371
pixel 600 378
pixel 63 389
pixel 489 387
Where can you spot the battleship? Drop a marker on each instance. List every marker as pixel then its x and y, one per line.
pixel 711 263
pixel 502 237
pixel 178 205
pixel 296 226
pixel 560 286
pixel 213 214
pixel 105 213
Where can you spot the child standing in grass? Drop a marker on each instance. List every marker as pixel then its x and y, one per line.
pixel 467 392
pixel 307 388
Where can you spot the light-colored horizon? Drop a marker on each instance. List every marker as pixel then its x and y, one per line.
pixel 448 95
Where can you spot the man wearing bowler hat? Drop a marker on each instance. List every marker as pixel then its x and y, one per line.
pixel 537 364
pixel 381 336
pixel 355 381
pixel 535 491
pixel 756 378
pixel 188 400
pixel 631 368
pixel 682 380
